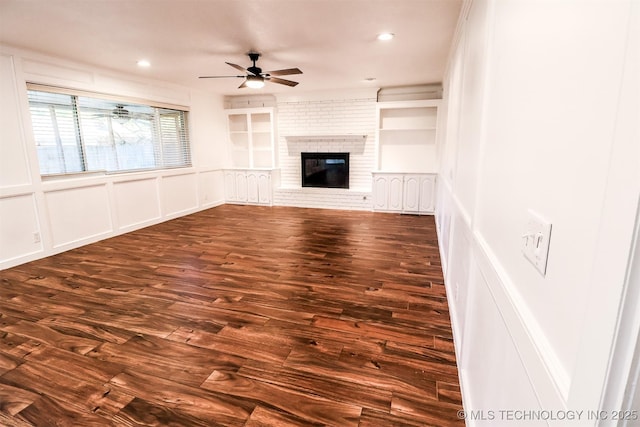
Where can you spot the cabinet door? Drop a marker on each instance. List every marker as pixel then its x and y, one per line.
pixel 395 192
pixel 264 188
pixel 230 186
pixel 380 193
pixel 427 193
pixel 411 196
pixel 252 187
pixel 241 186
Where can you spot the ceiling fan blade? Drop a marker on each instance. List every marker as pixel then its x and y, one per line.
pixel 282 81
pixel 218 77
pixel 285 72
pixel 244 84
pixel 237 67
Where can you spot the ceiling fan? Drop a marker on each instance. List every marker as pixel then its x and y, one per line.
pixel 255 77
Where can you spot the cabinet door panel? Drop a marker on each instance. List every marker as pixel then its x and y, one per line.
pixel 264 188
pixel 252 187
pixel 411 199
pixel 395 192
pixel 230 186
pixel 427 194
pixel 241 186
pixel 380 193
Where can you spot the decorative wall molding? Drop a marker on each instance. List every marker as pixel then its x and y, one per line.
pixel 347 143
pixel 550 382
pixel 547 374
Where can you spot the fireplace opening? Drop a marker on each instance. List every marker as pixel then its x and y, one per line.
pixel 325 170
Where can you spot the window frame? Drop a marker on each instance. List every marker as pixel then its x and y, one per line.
pixel 183 139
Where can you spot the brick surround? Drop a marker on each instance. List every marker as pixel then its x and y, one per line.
pixel 335 120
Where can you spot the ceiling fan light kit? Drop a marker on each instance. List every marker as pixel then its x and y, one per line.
pixel 254 76
pixel 255 82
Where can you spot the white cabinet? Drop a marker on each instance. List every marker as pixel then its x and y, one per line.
pixel 252 156
pixel 406 136
pixel 406 193
pixel 387 192
pixel 251 138
pixel 248 186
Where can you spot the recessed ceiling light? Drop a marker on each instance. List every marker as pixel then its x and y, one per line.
pixel 385 36
pixel 144 63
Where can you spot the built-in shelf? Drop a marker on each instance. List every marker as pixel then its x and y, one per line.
pixel 406 136
pixel 251 136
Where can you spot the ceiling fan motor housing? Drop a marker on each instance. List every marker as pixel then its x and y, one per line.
pixel 253 69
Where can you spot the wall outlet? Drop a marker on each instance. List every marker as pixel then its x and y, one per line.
pixel 535 241
pixel 36 237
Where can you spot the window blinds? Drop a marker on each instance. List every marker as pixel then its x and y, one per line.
pixel 75 132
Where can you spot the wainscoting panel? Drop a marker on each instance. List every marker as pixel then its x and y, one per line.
pixel 179 193
pixel 211 188
pixel 19 225
pixel 496 344
pixel 137 202
pixel 78 214
pixel 489 354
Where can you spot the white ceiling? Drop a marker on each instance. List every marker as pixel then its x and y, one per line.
pixel 332 41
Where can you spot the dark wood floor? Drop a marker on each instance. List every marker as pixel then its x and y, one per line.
pixel 234 316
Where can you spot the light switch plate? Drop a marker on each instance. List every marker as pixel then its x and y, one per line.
pixel 535 241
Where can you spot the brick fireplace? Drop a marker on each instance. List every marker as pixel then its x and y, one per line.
pixel 326 126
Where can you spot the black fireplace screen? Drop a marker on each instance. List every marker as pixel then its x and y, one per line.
pixel 327 170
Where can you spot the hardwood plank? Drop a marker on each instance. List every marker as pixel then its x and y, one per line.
pixel 70 392
pixel 267 417
pixel 85 328
pixel 17 346
pixel 8 421
pixel 46 411
pixel 432 413
pixel 48 336
pixel 15 399
pixel 306 406
pixel 84 368
pixel 8 362
pixel 324 386
pixel 265 351
pixel 372 329
pixel 197 402
pixel 141 413
pixel 167 359
pixel 449 392
pixel 356 372
pixel 375 418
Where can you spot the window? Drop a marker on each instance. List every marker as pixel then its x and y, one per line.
pixel 78 132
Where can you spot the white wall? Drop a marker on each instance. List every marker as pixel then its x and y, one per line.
pixel 543 116
pixel 70 212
